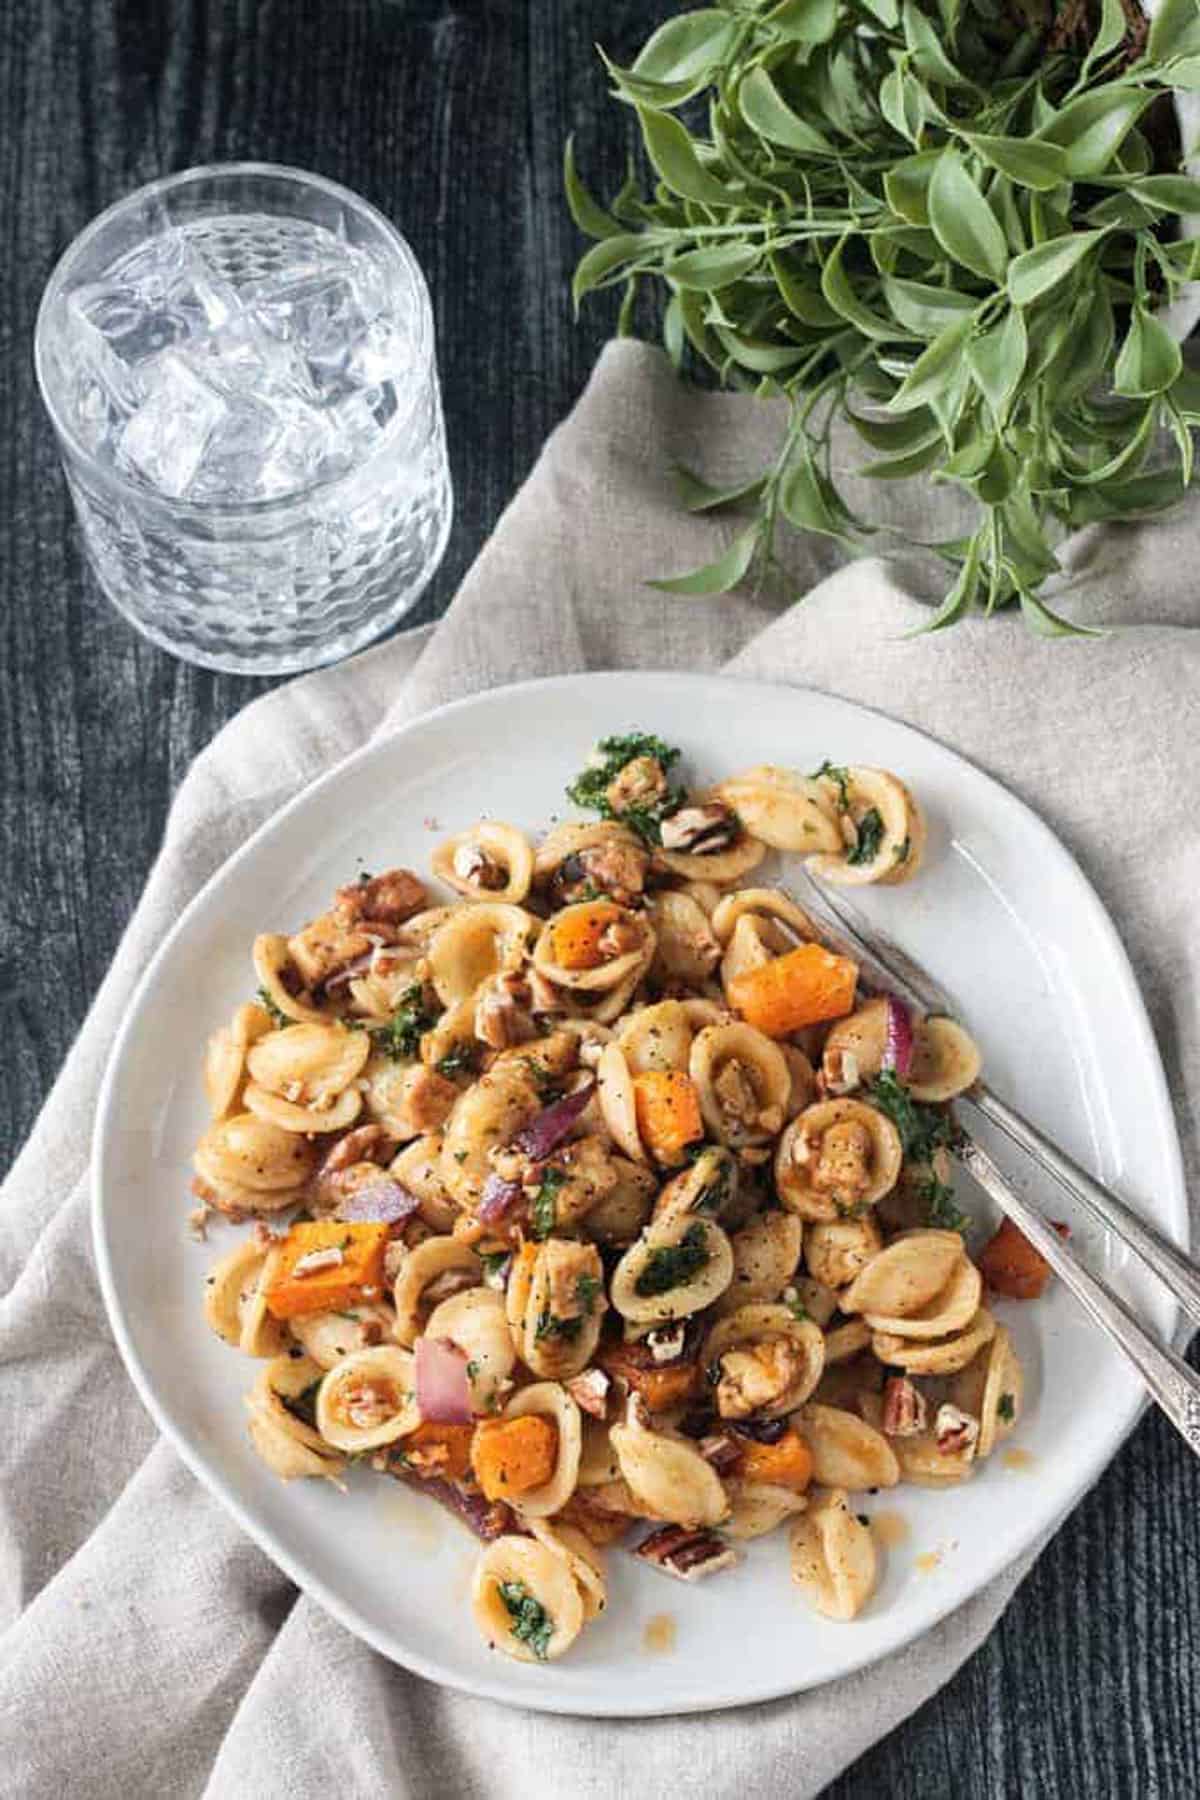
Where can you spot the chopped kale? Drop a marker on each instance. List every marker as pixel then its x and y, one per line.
pixel 587 1287
pixel 549 1325
pixel 672 1264
pixel 923 1129
pixel 797 1309
pixel 841 777
pixel 589 789
pixel 943 1214
pixel 1006 1407
pixel 543 1208
pixel 401 1036
pixel 870 836
pixel 493 1261
pixel 462 1060
pixel 531 1623
pixel 303 1406
pixel 278 1017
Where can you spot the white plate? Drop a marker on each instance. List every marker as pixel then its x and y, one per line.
pixel 1000 911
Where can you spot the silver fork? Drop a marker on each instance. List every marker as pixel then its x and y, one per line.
pixel 1171 1383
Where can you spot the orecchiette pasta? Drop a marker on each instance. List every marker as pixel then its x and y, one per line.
pixel 583 1229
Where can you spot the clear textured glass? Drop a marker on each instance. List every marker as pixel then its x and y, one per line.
pixel 239 364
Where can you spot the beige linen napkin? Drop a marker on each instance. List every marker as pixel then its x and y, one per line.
pixel 148 1648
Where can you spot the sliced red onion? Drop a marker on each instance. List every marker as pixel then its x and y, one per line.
pixel 898 1042
pixel 554 1125
pixel 488 1519
pixel 499 1198
pixel 358 965
pixel 383 1202
pixel 443 1391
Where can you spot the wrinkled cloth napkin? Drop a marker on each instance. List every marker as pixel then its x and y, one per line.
pixel 148 1647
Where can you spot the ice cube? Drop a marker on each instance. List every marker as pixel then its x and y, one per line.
pixel 235 453
pixel 166 438
pixel 298 457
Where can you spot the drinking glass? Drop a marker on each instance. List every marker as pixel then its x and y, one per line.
pixel 238 362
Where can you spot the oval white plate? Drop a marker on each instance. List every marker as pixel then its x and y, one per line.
pixel 1001 912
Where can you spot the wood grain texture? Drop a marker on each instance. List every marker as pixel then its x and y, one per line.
pixel 451 118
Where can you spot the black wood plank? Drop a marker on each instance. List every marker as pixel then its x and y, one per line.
pixel 451 118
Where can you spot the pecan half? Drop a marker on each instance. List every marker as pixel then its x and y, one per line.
pixel 688 1555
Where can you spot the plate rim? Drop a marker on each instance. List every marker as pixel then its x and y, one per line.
pixel 989 1568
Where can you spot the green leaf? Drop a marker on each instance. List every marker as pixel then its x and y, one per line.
pixel 906 186
pixel 837 289
pixel 800 495
pixel 1150 358
pixel 1048 624
pixel 767 112
pixel 698 496
pixel 1091 129
pixel 997 361
pixel 686 47
pixel 672 332
pixel 1174 30
pixel 805 302
pixel 927 52
pixel 1181 432
pixel 902 103
pixel 804 21
pixel 762 358
pixel 1109 37
pixel 1028 163
pixel 1036 271
pixel 1129 454
pixel 670 150
pixel 925 310
pixel 1185 395
pixel 716 266
pixel 886 11
pixel 587 213
pixel 598 267
pixel 716 577
pixel 912 431
pixel 963 222
pixel 1172 193
pixel 1087 353
pixel 1184 74
pixel 641 90
pixel 900 468
pixel 961 597
pixel 933 371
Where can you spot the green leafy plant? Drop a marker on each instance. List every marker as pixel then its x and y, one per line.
pixel 953 223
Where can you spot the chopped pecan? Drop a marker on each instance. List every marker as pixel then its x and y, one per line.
pixel 956 1431
pixel 686 1554
pixel 589 1390
pixel 904 1410
pixel 386 899
pixel 474 865
pixel 700 830
pixel 722 1450
pixel 640 783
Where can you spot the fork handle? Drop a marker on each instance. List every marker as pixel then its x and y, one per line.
pixel 1173 1266
pixel 1169 1380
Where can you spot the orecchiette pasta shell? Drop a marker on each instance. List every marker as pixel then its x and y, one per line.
pixel 251 1153
pixel 846 1341
pixel 614 1090
pixel 708 1186
pixel 1005 1380
pixel 784 810
pixel 285 1442
pixel 720 868
pixel 834 1562
pixel 906 1276
pixel 436 1256
pixel 407 1099
pixel 454 1031
pixel 901 839
pixel 940 1356
pixel 758 1324
pixel 418 1167
pixel 798 1159
pixel 668 1478
pixel 762 1064
pixel 598 1463
pixel 836 1250
pixel 698 1288
pixel 272 964
pixel 856 1046
pixel 758 1507
pixel 284 1454
pixel 308 1063
pixel 846 1451
pixel 329 1337
pixel 487 1114
pixel 376 994
pixel 572 839
pixel 656 1037
pixel 765 1254
pixel 543 1349
pixel 620 1216
pixel 224 1062
pixel 548 1400
pixel 605 977
pixel 475 1320
pixel 804 1081
pixel 524 1567
pixel 945 1062
pixel 475 943
pixel 924 1465
pixel 706 894
pixel 234 1302
pixel 770 904
pixel 755 942
pixel 819 1301
pixel 950 1310
pixel 687 950
pixel 274 1110
pixel 385 1372
pixel 583 1559
pixel 493 851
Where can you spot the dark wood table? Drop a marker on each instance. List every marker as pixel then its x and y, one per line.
pixel 451 118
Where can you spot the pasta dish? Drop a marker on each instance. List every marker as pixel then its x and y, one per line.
pixel 588 1193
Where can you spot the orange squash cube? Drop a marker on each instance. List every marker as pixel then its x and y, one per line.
pixel 326 1265
pixel 668 1113
pixel 804 986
